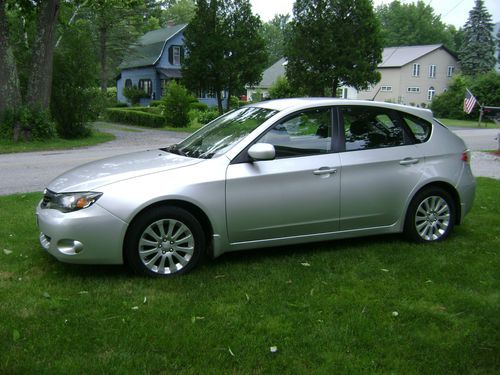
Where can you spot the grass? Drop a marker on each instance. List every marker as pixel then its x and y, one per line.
pixel 8 146
pixel 467 123
pixel 194 126
pixel 329 308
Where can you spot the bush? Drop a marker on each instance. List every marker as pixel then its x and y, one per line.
pixel 33 124
pixel 234 102
pixel 133 117
pixel 134 94
pixel 207 116
pixel 155 103
pixel 199 106
pixel 281 89
pixel 119 105
pixel 176 104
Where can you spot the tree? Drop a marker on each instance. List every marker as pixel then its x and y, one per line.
pixel 413 24
pixel 333 42
pixel 477 54
pixel 274 34
pixel 180 11
pixel 38 61
pixel 225 48
pixel 281 89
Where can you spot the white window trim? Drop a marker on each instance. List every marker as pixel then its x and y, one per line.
pixel 416 70
pixel 432 71
pixel 431 93
pixel 451 70
pixel 413 90
pixel 176 55
pixel 386 88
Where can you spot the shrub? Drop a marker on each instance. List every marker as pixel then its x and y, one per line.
pixel 133 117
pixel 176 104
pixel 33 124
pixel 199 106
pixel 119 105
pixel 234 102
pixel 134 94
pixel 155 103
pixel 207 116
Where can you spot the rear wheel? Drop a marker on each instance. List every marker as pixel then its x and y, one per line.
pixel 431 216
pixel 165 241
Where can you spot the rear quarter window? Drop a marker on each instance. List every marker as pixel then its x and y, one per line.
pixel 420 128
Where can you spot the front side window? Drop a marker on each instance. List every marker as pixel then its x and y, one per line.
pixel 305 133
pixel 223 133
pixel 146 85
pixel 370 128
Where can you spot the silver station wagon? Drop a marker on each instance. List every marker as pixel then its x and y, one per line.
pixel 270 174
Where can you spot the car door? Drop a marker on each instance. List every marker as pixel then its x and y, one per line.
pixel 295 194
pixel 380 167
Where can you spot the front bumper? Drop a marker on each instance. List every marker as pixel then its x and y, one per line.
pixel 89 236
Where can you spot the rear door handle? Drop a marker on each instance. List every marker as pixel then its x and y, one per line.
pixel 408 161
pixel 325 170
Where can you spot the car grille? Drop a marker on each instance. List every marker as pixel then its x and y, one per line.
pixel 48 197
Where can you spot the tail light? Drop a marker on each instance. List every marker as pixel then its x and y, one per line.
pixel 466 156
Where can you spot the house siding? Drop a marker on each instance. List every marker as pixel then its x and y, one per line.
pixel 401 78
pixel 135 75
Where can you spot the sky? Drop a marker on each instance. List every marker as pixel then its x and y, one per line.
pixel 454 12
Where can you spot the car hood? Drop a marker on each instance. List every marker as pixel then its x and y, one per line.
pixel 95 174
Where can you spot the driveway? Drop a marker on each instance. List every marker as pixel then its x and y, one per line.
pixel 31 171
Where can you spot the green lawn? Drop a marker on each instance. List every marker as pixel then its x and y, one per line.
pixel 466 123
pixel 367 306
pixel 54 144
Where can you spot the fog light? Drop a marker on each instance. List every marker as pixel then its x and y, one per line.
pixel 69 247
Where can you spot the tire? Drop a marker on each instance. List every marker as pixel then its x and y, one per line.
pixel 164 242
pixel 430 216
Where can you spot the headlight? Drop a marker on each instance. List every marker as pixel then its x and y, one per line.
pixel 68 202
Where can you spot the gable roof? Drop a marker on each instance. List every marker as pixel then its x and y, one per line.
pixel 149 47
pixel 272 73
pixel 395 57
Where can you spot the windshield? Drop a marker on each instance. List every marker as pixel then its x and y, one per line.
pixel 223 133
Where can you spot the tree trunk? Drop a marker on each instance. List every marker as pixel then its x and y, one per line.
pixel 335 85
pixel 40 80
pixel 103 57
pixel 219 102
pixel 10 92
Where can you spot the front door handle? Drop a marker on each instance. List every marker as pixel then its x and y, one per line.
pixel 408 161
pixel 324 170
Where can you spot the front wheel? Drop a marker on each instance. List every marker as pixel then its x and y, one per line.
pixel 431 216
pixel 165 241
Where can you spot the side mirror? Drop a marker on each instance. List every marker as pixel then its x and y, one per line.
pixel 262 151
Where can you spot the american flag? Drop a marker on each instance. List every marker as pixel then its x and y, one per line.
pixel 469 102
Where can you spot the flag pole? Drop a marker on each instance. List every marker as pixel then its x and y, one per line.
pixel 480 115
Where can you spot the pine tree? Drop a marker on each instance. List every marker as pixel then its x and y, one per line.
pixel 333 42
pixel 477 54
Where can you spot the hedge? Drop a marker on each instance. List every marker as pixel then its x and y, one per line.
pixel 134 117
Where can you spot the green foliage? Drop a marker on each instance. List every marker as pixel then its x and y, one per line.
pixel 485 87
pixel 333 42
pixel 274 34
pixel 477 54
pixel 234 102
pixel 226 50
pixel 206 116
pixel 138 118
pixel 37 122
pixel 182 11
pixel 199 106
pixel 120 105
pixel 75 99
pixel 409 24
pixel 176 104
pixel 281 89
pixel 134 94
pixel 155 103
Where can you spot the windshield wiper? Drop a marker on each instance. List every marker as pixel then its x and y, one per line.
pixel 173 150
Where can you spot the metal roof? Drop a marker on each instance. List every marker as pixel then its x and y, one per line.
pixel 395 57
pixel 149 47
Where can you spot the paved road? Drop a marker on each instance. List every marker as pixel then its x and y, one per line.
pixel 31 171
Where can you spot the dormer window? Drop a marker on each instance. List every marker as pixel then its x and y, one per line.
pixel 176 55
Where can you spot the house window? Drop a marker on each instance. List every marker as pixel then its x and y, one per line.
pixel 451 69
pixel 430 93
pixel 176 55
pixel 146 85
pixel 128 83
pixel 432 71
pixel 413 90
pixel 342 92
pixel 416 70
pixel 386 88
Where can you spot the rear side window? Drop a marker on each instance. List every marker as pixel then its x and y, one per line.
pixel 420 128
pixel 370 127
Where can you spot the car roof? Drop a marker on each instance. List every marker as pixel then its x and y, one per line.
pixel 304 103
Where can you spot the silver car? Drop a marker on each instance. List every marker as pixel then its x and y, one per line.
pixel 271 174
